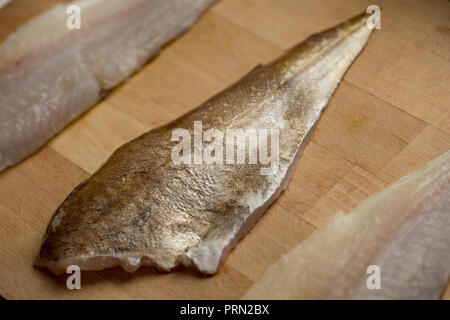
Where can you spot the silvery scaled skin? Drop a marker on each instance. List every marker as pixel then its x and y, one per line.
pixel 141 208
pixel 404 230
pixel 50 74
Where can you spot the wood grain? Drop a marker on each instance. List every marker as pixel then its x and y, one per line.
pixel 389 116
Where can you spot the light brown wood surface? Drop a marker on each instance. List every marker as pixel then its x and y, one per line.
pixel 390 115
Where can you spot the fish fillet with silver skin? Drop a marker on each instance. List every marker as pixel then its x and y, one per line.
pixel 141 208
pixel 50 74
pixel 404 231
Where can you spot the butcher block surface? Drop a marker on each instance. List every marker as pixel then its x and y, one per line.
pixel 389 116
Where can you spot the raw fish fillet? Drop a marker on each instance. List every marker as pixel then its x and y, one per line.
pixel 404 230
pixel 4 3
pixel 143 208
pixel 50 74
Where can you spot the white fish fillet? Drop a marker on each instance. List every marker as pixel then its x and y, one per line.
pixel 50 74
pixel 4 3
pixel 142 208
pixel 404 230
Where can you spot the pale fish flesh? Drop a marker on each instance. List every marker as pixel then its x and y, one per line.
pixel 141 208
pixel 400 235
pixel 50 74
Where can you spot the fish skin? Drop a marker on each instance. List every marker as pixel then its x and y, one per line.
pixel 403 229
pixel 142 209
pixel 49 75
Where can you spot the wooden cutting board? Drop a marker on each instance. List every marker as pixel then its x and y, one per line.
pixel 390 115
